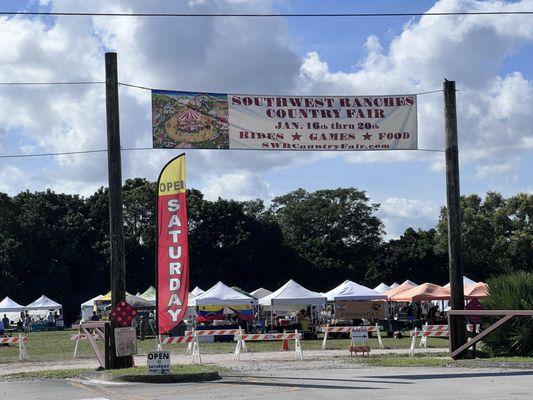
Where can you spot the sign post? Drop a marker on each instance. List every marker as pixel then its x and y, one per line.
pixel 455 258
pixel 116 225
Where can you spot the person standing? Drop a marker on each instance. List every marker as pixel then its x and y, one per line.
pixel 51 321
pixel 27 322
pixel 95 316
pixel 5 321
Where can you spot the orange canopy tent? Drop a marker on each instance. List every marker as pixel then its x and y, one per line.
pixel 399 289
pixel 478 291
pixel 427 291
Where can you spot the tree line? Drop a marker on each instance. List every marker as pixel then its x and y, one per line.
pixel 58 244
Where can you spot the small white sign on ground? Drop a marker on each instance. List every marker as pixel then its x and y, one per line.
pixel 158 363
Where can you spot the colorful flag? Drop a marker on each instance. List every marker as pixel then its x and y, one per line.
pixel 172 245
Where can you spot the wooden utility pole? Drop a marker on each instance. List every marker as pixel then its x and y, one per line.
pixel 455 258
pixel 116 225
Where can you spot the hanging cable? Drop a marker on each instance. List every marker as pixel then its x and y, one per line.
pixel 265 15
pixel 50 83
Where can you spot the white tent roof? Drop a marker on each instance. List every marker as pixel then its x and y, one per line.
pixel 90 303
pixel 191 300
pixel 8 305
pixel 221 294
pixel 382 287
pixel 261 292
pixel 44 303
pixel 466 282
pixel 408 282
pixel 293 293
pixel 197 291
pixel 394 285
pixel 349 290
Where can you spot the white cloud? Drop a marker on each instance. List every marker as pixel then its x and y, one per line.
pixel 492 108
pixel 400 213
pixel 490 170
pixel 9 176
pixel 250 55
pixel 238 186
pixel 208 54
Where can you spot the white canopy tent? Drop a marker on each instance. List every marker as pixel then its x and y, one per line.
pixel 87 308
pixel 221 294
pixel 466 282
pixel 292 293
pixel 11 309
pixel 382 287
pixel 149 294
pixel 261 292
pixel 349 290
pixel 394 285
pixel 445 303
pixel 43 303
pixel 197 291
pixel 8 305
pixel 42 306
pixel 190 315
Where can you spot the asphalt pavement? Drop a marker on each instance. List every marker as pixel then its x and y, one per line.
pixel 388 383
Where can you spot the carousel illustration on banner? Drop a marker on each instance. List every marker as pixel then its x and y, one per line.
pixel 190 120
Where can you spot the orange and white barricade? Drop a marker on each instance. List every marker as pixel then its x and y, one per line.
pixel 176 339
pixel 425 334
pixel 191 339
pixel 348 329
pixel 21 341
pixel 214 332
pixel 241 338
pixel 359 341
pixel 432 328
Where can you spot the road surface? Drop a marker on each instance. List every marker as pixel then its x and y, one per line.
pixel 386 383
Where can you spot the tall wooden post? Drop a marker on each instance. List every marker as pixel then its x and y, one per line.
pixel 457 326
pixel 116 225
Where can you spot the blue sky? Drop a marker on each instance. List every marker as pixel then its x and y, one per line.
pixel 489 57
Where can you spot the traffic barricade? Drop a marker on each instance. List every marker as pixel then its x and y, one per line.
pixel 21 341
pixel 432 328
pixel 242 338
pixel 425 334
pixel 348 329
pixel 191 339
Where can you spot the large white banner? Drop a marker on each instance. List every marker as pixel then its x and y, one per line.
pixel 227 121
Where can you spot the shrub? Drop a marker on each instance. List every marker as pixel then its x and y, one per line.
pixel 511 292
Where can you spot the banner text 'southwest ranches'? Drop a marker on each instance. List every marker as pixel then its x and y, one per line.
pixel 328 102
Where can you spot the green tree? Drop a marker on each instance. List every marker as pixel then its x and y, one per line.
pixel 497 234
pixel 336 231
pixel 412 256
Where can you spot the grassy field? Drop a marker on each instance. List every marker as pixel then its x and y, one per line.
pixel 402 360
pixel 56 346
